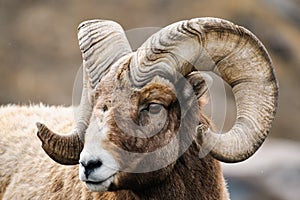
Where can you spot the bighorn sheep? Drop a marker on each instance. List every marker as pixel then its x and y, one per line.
pixel 133 105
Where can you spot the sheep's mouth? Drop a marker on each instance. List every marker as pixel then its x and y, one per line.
pixel 98 182
pixel 100 186
pixel 95 183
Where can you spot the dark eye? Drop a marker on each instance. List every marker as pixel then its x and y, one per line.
pixel 154 108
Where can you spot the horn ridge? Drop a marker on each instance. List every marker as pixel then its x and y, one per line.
pixel 101 42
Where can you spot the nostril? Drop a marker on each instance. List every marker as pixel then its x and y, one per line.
pixel 91 165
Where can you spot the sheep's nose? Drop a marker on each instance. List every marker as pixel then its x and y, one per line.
pixel 90 166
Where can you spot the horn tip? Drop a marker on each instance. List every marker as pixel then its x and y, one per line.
pixel 39 125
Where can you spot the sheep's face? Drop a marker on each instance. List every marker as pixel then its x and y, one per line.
pixel 133 137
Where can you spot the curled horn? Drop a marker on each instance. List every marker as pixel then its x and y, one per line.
pixel 101 43
pixel 239 58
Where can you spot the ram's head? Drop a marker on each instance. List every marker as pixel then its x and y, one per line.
pixel 141 110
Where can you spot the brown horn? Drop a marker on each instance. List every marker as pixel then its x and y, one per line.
pixel 101 43
pixel 238 57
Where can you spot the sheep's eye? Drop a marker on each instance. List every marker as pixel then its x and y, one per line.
pixel 154 108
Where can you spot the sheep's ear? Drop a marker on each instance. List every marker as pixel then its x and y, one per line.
pixel 200 82
pixel 102 43
pixel 191 88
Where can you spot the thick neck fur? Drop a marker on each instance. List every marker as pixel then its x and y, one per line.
pixel 192 178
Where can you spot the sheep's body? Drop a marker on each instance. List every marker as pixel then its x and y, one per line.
pixel 26 173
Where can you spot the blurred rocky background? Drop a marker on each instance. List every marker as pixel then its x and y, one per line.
pixel 39 59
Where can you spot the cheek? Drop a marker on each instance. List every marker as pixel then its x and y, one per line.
pixel 131 148
pixel 153 124
pixel 149 134
pixel 130 144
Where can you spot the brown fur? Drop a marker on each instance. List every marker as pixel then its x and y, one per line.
pixel 26 173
